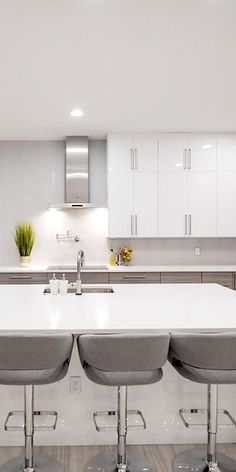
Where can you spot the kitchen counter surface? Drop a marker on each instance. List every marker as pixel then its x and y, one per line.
pixel 129 308
pixel 132 268
pixel 174 268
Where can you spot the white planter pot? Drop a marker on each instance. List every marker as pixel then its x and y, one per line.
pixel 24 261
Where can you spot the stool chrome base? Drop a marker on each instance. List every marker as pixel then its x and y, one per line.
pixel 42 464
pixel 106 462
pixel 194 460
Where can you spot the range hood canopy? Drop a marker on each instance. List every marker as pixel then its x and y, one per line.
pixel 77 179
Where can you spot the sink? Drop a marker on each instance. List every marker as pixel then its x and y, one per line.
pixel 73 267
pixel 88 289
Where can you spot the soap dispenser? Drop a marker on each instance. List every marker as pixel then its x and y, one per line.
pixel 63 285
pixel 53 283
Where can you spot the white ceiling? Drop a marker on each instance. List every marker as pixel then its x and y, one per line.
pixel 130 65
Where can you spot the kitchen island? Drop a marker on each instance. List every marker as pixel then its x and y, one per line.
pixel 144 307
pixel 24 308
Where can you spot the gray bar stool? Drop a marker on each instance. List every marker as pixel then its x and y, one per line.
pixel 122 360
pixel 206 358
pixel 28 361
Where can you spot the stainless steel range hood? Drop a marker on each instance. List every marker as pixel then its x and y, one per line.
pixel 77 175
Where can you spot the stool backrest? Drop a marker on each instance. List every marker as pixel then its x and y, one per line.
pixel 205 350
pixel 124 352
pixel 29 352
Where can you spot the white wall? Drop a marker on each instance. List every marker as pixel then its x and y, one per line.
pixel 32 176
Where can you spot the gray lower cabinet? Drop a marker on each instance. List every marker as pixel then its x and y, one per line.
pixel 89 278
pixel 181 277
pixel 25 278
pixel 222 278
pixel 135 278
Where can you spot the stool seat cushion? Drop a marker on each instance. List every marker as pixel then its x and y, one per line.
pixel 205 350
pixel 123 359
pixel 33 377
pixel 208 358
pixel 124 352
pixel 27 359
pixel 103 377
pixel 34 352
pixel 205 376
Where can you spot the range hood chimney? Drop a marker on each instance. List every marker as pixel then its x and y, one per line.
pixel 77 175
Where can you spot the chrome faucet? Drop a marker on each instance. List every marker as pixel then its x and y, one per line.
pixel 80 265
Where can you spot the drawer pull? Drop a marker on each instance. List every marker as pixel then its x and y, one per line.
pixel 134 276
pixel 20 277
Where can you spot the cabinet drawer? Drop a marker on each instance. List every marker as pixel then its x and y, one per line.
pixel 221 278
pixel 135 278
pixel 25 278
pixel 181 277
pixel 90 278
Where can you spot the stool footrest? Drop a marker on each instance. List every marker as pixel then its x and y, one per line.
pixel 43 420
pixel 188 416
pixel 105 420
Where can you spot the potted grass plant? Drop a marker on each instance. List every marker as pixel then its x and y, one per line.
pixel 24 239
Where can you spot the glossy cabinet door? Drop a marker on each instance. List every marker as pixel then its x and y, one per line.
pixel 226 153
pixel 145 154
pixel 145 204
pixel 23 278
pixel 201 154
pixel 181 277
pixel 134 277
pixel 172 154
pixel 120 154
pixel 221 278
pixel 226 204
pixel 132 187
pixel 202 204
pixel 172 204
pixel 120 204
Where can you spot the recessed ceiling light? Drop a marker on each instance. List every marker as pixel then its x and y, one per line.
pixel 207 146
pixel 76 112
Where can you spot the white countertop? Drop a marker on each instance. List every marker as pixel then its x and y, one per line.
pixel 132 268
pixel 130 308
pixel 174 268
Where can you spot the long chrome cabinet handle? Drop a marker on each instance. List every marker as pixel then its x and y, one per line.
pixel 134 277
pixel 185 225
pixel 185 159
pixel 20 277
pixel 189 159
pixel 131 225
pixel 135 159
pixel 131 159
pixel 190 224
pixel 136 224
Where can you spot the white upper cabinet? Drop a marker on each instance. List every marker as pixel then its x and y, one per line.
pixel 202 204
pixel 177 185
pixel 120 203
pixel 226 153
pixel 120 154
pixel 136 154
pixel 187 153
pixel 172 204
pixel 132 187
pixel 226 204
pixel 172 154
pixel 201 154
pixel 145 204
pixel 145 154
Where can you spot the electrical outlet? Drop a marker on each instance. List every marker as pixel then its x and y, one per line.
pixel 197 251
pixel 75 384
